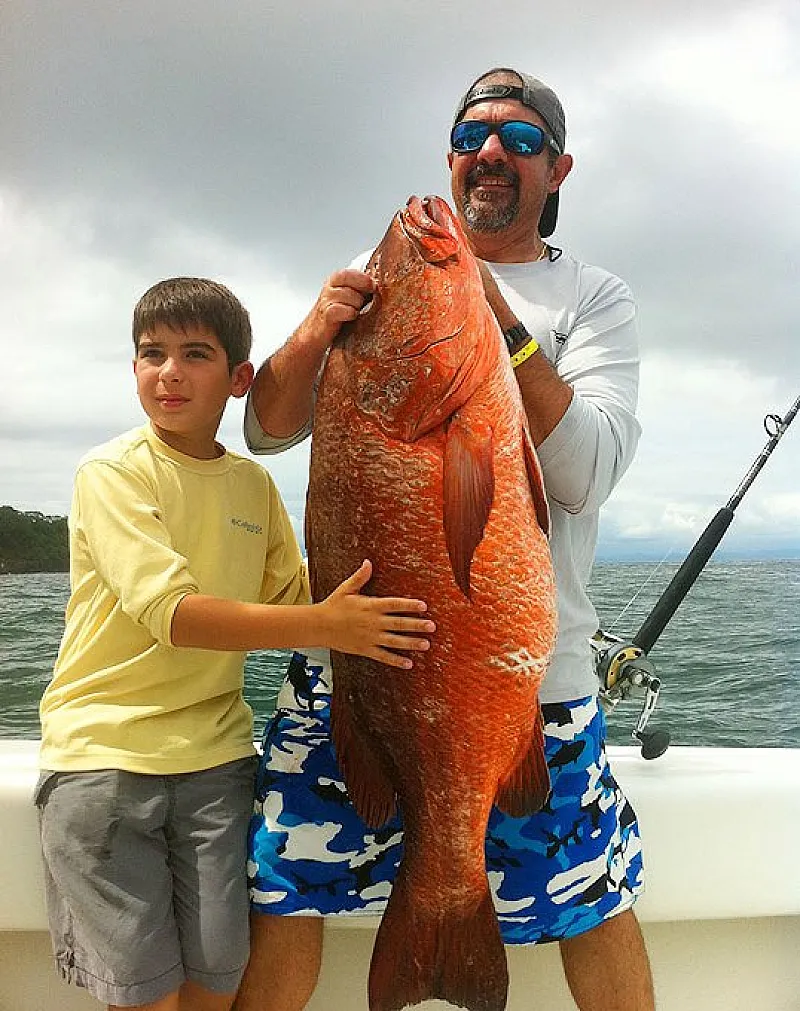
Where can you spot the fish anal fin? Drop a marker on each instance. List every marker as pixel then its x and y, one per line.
pixel 468 492
pixel 454 954
pixel 536 482
pixel 526 790
pixel 368 786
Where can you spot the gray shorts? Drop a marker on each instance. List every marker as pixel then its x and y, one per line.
pixel 145 878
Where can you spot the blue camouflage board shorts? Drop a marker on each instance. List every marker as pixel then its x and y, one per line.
pixel 553 875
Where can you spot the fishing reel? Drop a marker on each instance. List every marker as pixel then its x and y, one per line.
pixel 624 672
pixel 623 667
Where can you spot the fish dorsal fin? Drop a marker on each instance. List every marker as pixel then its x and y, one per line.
pixel 536 482
pixel 468 491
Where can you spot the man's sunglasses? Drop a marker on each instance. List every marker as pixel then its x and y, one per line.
pixel 516 136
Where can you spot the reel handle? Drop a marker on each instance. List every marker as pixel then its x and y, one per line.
pixel 654 742
pixel 624 670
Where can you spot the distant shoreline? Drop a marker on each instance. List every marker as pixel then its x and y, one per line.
pixel 653 560
pixel 32 572
pixel 31 542
pixel 719 557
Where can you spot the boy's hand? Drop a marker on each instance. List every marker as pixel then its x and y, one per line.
pixel 373 626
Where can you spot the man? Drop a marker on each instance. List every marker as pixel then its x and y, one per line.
pixel 571 872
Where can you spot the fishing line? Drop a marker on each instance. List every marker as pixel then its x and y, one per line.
pixel 652 576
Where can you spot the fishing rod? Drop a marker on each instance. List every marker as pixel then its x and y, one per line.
pixel 623 667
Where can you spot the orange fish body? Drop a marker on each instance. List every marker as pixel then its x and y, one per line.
pixel 421 461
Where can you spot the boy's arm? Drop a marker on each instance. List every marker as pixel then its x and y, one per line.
pixel 117 531
pixel 345 621
pixel 118 523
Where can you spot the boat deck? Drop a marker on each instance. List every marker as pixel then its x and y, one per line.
pixel 721 914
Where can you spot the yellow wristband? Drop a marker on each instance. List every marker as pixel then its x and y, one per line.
pixel 524 353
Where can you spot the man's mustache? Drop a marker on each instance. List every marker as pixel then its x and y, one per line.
pixel 496 172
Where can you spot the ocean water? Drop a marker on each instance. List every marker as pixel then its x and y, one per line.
pixel 729 660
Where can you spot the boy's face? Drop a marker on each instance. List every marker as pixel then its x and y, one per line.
pixel 183 382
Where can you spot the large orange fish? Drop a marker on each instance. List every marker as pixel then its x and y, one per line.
pixel 421 461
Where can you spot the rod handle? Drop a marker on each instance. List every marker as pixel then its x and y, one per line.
pixel 683 580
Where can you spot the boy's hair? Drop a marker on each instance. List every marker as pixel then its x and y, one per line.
pixel 179 302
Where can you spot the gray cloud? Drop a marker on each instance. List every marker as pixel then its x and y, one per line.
pixel 267 144
pixel 296 129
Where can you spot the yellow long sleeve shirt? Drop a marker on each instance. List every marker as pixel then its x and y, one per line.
pixel 147 526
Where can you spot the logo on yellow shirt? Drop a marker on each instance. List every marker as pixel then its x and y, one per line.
pixel 251 528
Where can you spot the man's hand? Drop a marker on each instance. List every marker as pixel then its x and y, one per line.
pixel 341 299
pixel 282 394
pixel 372 626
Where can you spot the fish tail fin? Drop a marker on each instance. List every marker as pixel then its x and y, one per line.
pixel 452 955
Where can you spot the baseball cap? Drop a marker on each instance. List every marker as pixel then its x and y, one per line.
pixel 536 95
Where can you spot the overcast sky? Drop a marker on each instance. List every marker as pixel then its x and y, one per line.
pixel 266 145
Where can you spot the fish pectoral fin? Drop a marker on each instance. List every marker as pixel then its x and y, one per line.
pixel 527 788
pixel 368 786
pixel 536 482
pixel 468 492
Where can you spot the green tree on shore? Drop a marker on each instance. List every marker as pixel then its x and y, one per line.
pixel 32 542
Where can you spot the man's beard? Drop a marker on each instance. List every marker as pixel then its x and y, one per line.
pixel 488 217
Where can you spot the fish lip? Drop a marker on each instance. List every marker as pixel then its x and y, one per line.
pixel 438 212
pixel 429 218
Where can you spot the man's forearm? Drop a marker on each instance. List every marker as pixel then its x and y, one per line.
pixel 282 392
pixel 545 395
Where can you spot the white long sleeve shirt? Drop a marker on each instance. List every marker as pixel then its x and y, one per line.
pixel 584 320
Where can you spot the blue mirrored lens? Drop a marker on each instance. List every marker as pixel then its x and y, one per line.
pixel 521 138
pixel 469 135
pixel 517 137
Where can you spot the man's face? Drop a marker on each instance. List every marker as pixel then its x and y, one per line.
pixel 494 190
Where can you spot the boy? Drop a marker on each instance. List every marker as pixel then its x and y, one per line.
pixel 182 558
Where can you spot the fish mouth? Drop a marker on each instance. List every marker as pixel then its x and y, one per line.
pixel 430 226
pixel 437 210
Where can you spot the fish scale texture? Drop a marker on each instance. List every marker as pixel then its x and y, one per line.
pixel 419 464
